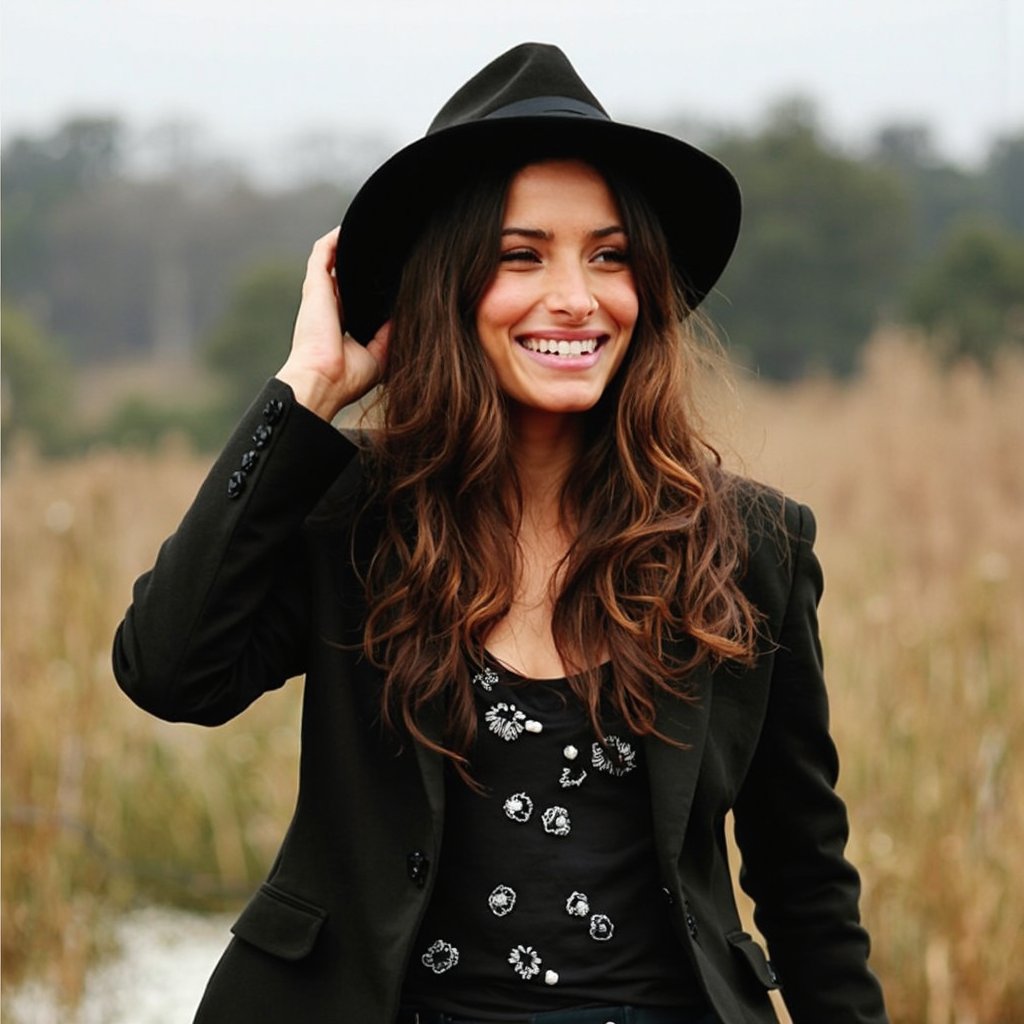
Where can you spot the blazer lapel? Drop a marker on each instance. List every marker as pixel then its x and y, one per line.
pixel 431 721
pixel 673 770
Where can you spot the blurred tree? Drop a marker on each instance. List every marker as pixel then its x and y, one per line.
pixel 939 193
pixel 824 241
pixel 36 385
pixel 971 296
pixel 1004 181
pixel 40 175
pixel 133 267
pixel 250 342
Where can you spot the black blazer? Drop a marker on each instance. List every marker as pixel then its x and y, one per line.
pixel 258 585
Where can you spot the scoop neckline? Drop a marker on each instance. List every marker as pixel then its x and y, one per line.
pixel 496 663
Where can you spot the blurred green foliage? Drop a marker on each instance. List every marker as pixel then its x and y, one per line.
pixel 971 296
pixel 250 341
pixel 824 236
pixel 36 386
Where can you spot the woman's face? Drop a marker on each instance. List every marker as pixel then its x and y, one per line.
pixel 556 320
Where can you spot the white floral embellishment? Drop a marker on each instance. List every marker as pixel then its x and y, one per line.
pixel 617 757
pixel 486 679
pixel 534 726
pixel 519 807
pixel 577 905
pixel 601 927
pixel 551 977
pixel 556 821
pixel 502 900
pixel 505 720
pixel 570 752
pixel 565 780
pixel 440 957
pixel 525 961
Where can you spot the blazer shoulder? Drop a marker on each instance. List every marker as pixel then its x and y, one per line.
pixel 771 517
pixel 779 532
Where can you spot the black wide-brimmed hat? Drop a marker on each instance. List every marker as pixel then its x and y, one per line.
pixel 527 104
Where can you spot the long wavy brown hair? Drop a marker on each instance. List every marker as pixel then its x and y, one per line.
pixel 658 538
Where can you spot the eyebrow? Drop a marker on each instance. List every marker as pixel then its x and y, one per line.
pixel 539 233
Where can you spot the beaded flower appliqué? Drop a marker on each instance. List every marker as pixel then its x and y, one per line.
pixel 567 780
pixel 441 956
pixel 506 721
pixel 525 961
pixel 502 900
pixel 616 756
pixel 486 678
pixel 577 905
pixel 556 821
pixel 519 807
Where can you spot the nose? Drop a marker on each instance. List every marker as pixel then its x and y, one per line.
pixel 571 294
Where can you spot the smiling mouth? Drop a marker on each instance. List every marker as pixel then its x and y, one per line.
pixel 560 347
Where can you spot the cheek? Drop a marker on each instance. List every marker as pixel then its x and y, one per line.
pixel 627 305
pixel 501 307
pixel 617 296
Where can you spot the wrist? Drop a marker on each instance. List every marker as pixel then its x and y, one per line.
pixel 314 391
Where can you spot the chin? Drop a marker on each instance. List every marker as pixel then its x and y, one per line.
pixel 563 404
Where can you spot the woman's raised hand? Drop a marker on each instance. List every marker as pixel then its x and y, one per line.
pixel 326 369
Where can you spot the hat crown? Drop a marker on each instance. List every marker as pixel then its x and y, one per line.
pixel 528 72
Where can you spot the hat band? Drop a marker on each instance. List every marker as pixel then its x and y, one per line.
pixel 547 106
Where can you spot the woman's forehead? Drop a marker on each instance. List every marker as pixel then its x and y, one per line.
pixel 559 191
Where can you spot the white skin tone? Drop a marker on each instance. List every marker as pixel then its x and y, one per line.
pixel 564 276
pixel 326 369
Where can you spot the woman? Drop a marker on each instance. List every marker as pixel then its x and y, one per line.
pixel 548 642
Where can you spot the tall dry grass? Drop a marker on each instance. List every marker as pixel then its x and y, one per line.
pixel 917 478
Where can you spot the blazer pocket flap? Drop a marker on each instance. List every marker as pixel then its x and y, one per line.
pixel 279 923
pixel 755 957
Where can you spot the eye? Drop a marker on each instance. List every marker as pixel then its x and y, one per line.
pixel 612 255
pixel 519 256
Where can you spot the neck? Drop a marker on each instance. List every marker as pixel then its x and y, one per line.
pixel 545 448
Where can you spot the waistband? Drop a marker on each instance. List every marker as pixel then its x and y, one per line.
pixel 583 1015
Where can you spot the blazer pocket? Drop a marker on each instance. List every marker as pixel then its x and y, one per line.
pixel 279 923
pixel 755 957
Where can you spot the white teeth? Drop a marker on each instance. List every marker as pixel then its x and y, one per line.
pixel 551 346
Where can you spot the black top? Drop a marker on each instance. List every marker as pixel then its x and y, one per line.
pixel 548 893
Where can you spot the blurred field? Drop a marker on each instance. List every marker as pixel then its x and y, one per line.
pixel 917 478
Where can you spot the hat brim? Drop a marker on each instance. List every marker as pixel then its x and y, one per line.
pixel 695 198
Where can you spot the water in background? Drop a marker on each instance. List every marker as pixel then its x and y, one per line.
pixel 165 959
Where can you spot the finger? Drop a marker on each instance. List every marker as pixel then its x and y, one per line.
pixel 322 255
pixel 378 346
pixel 320 278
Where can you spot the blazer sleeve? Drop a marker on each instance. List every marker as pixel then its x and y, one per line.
pixel 223 615
pixel 791 826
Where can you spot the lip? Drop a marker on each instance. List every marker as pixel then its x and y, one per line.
pixel 562 334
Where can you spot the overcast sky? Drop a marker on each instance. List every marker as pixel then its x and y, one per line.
pixel 255 73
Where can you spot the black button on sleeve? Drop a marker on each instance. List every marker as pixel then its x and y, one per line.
pixel 236 484
pixel 249 460
pixel 272 410
pixel 261 435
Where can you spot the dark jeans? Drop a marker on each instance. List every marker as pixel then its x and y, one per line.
pixel 588 1015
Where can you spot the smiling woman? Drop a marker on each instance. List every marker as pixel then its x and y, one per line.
pixel 558 316
pixel 536 617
